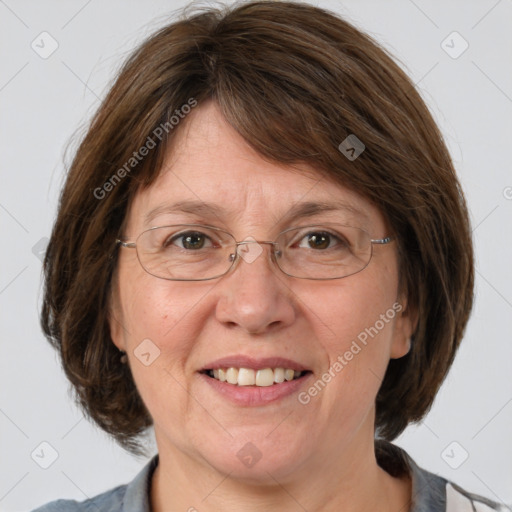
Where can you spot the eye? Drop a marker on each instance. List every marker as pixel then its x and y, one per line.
pixel 190 240
pixel 323 240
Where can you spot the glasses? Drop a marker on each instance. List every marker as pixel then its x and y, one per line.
pixel 194 252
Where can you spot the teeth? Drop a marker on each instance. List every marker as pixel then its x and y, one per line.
pixel 265 377
pixel 246 377
pixel 249 377
pixel 279 375
pixel 232 375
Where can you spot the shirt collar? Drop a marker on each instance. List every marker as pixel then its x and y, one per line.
pixel 428 489
pixel 137 495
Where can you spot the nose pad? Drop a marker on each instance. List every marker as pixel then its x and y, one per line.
pixel 249 249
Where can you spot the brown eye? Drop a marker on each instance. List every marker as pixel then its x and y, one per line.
pixel 322 240
pixel 319 240
pixel 192 240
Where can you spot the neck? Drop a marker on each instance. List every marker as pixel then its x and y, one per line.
pixel 351 481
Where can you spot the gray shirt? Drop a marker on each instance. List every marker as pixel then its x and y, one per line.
pixel 430 492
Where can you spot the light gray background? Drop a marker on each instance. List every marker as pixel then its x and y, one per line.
pixel 44 101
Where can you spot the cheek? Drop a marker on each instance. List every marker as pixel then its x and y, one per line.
pixel 355 327
pixel 360 308
pixel 161 327
pixel 164 312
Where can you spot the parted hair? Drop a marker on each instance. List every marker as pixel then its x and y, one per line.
pixel 294 80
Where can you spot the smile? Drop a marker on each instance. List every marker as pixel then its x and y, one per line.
pixel 248 377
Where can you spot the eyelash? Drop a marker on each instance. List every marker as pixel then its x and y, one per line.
pixel 178 236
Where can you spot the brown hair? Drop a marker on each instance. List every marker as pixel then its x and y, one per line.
pixel 294 80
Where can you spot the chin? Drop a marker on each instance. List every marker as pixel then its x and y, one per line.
pixel 262 461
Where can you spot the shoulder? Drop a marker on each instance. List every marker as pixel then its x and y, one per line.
pixel 432 492
pixel 111 501
pixel 446 496
pixel 132 497
pixel 460 500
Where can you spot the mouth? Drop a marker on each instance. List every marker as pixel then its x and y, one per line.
pixel 263 377
pixel 249 382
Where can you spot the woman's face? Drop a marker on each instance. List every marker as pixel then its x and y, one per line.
pixel 342 331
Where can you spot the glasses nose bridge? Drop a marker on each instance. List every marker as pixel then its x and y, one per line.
pixel 273 252
pixel 245 242
pixel 259 242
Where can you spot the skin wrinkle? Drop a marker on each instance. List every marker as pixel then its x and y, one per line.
pixel 300 211
pixel 294 116
pixel 322 453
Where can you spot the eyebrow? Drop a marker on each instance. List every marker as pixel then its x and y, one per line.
pixel 299 210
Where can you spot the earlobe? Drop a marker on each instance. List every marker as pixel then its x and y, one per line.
pixel 405 326
pixel 401 350
pixel 116 328
pixel 116 331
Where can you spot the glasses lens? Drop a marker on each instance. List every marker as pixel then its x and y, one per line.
pixel 327 251
pixel 186 252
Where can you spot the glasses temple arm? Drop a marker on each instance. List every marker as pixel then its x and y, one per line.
pixel 382 240
pixel 122 243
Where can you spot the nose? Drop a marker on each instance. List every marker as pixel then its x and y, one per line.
pixel 253 294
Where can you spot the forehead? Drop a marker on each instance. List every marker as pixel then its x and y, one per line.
pixel 211 172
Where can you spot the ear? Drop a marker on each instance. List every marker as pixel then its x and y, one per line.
pixel 406 322
pixel 115 316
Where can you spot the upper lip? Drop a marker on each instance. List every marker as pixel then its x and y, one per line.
pixel 241 361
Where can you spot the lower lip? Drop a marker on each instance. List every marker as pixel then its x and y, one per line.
pixel 253 396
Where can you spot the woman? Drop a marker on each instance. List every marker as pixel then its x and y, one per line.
pixel 262 251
